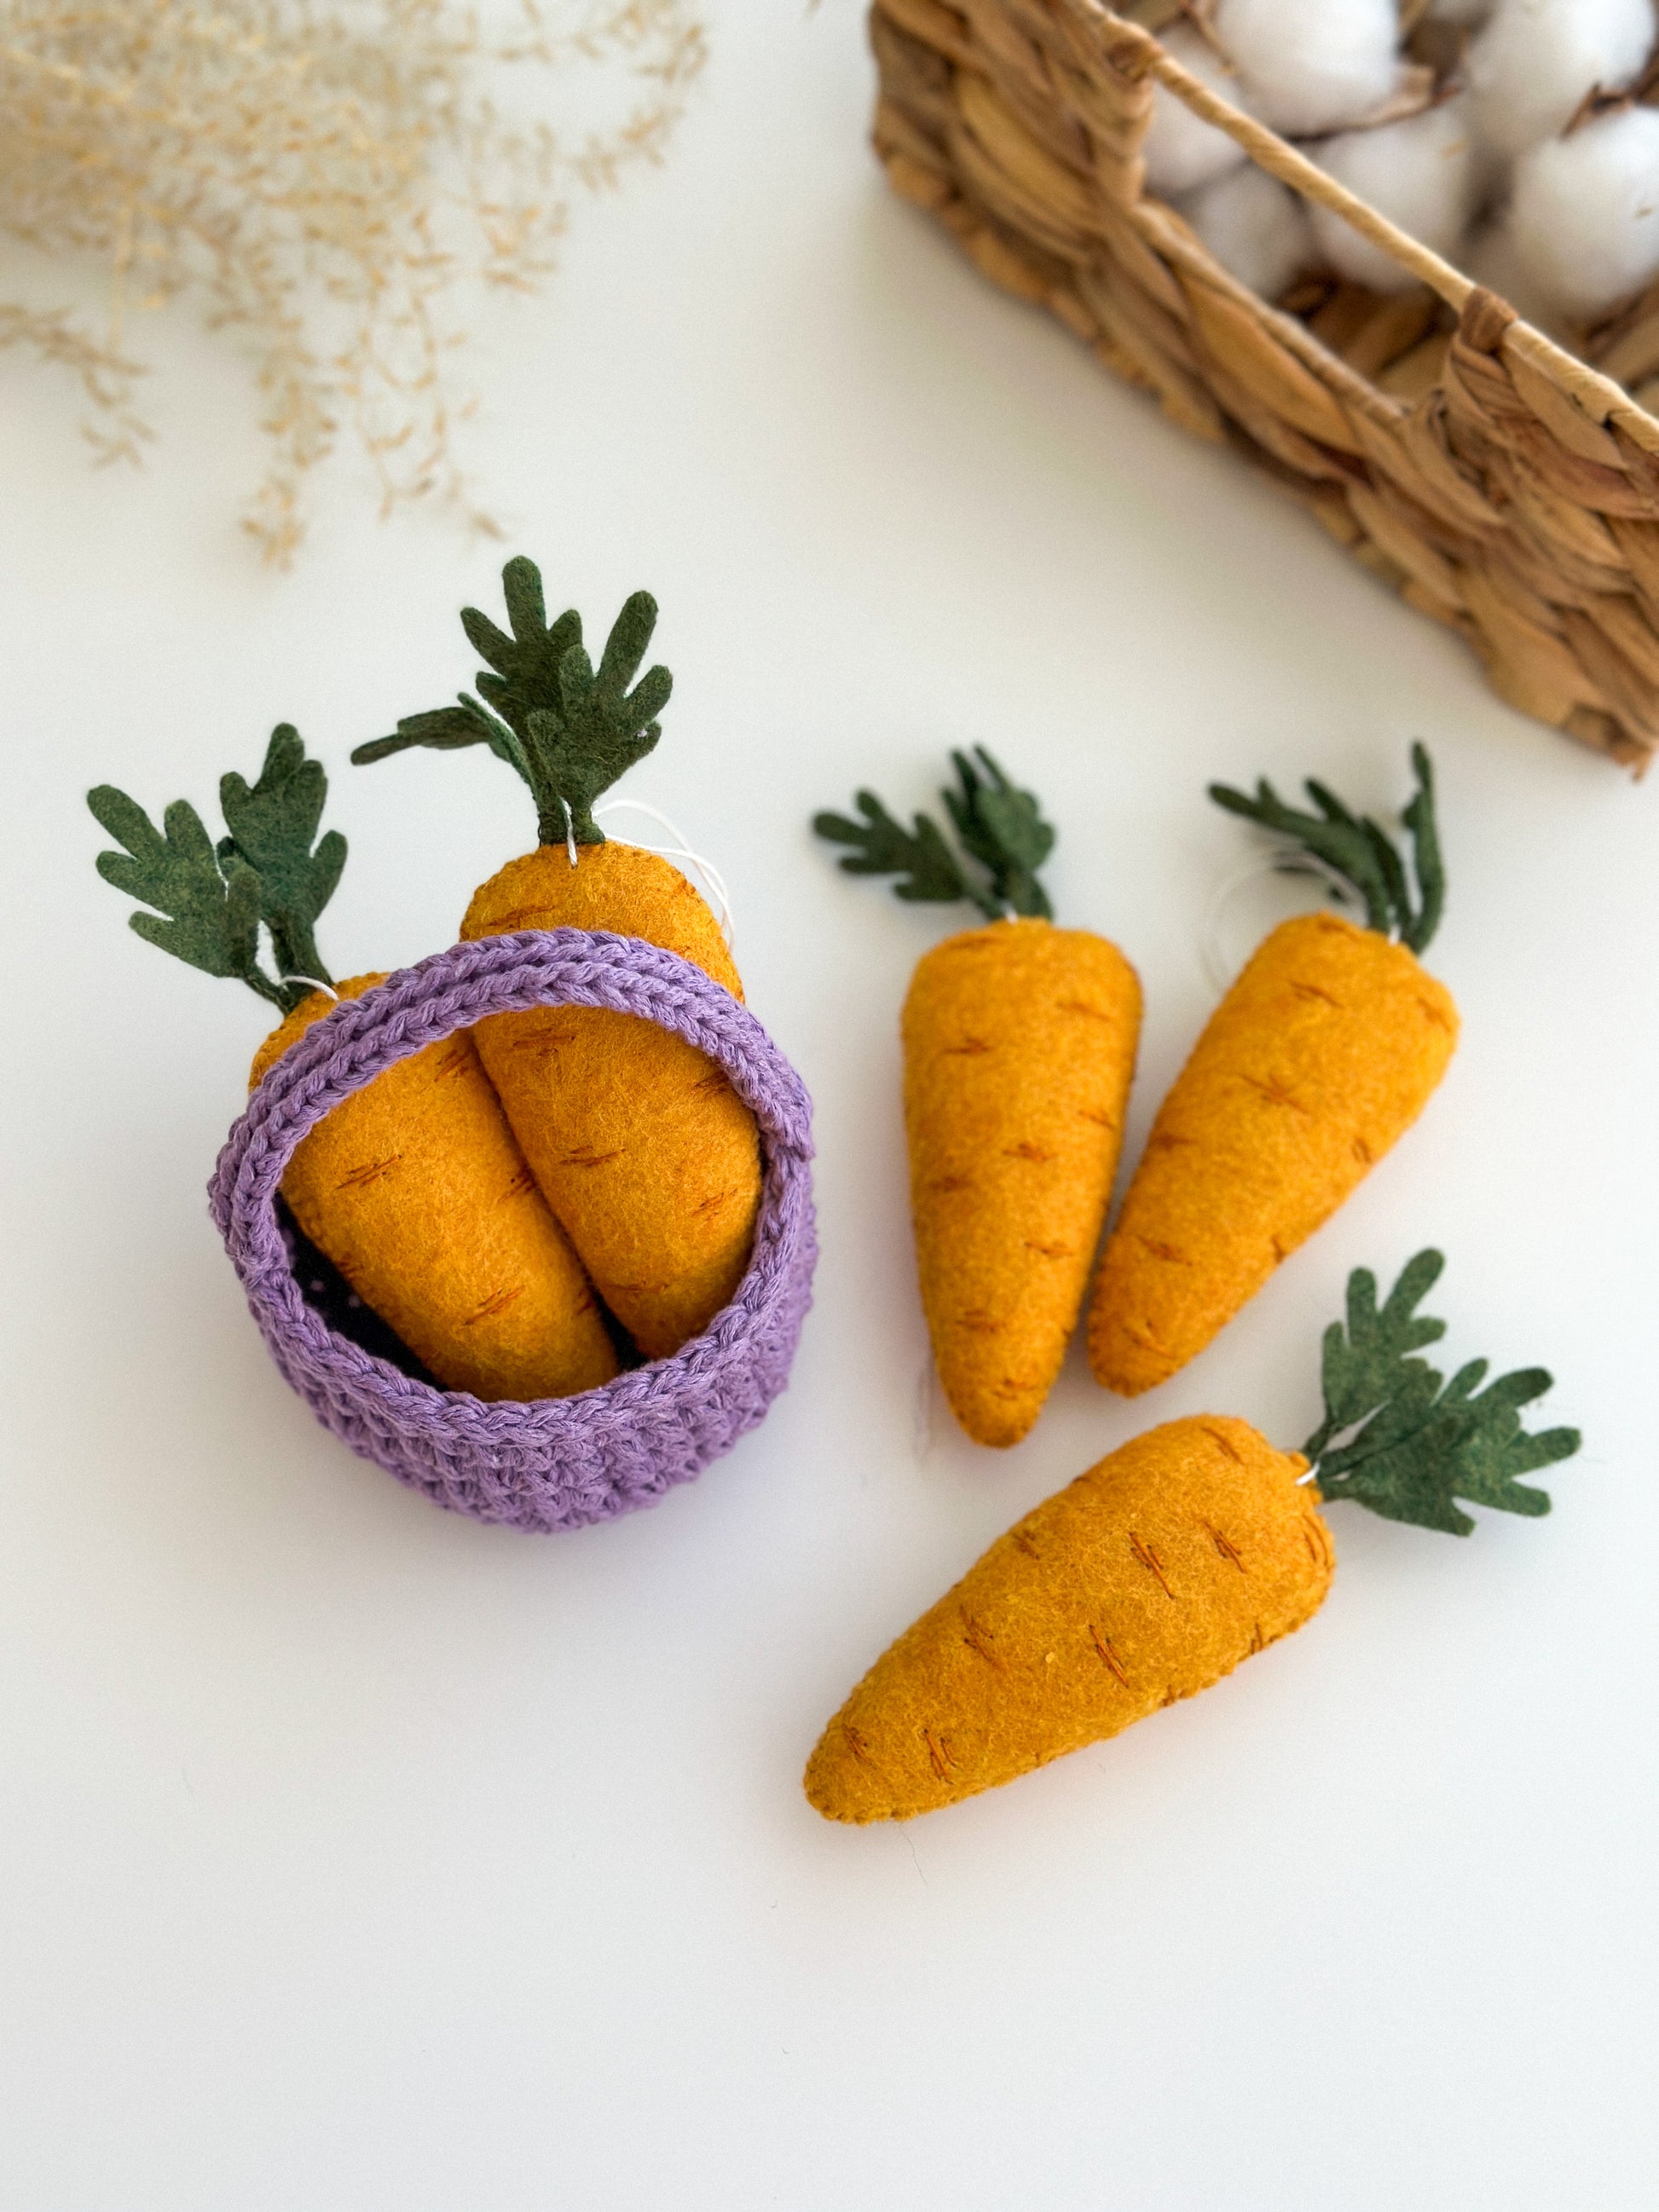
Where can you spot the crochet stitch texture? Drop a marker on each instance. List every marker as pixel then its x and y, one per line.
pixel 550 1463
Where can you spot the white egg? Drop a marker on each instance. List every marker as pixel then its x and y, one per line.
pixel 1417 173
pixel 1585 212
pixel 1256 228
pixel 1531 67
pixel 1312 66
pixel 1181 150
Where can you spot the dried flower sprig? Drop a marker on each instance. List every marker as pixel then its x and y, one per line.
pixel 319 175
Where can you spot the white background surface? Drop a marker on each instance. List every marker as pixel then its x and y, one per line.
pixel 358 1857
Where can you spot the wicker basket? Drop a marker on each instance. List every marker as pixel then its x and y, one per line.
pixel 1500 484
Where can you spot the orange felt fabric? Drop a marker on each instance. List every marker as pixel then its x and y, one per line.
pixel 1145 1581
pixel 641 1145
pixel 416 1191
pixel 1320 1057
pixel 1020 1045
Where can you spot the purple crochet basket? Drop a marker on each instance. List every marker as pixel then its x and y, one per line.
pixel 551 1462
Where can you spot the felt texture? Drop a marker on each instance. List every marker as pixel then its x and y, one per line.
pixel 1321 1055
pixel 1019 1046
pixel 1145 1580
pixel 416 1191
pixel 996 824
pixel 1399 1438
pixel 549 1463
pixel 641 1147
pixel 567 728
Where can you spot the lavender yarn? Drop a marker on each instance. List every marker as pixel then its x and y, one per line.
pixel 551 1462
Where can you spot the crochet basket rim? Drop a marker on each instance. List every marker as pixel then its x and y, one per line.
pixel 550 1463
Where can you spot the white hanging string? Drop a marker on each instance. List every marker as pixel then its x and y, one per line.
pixel 679 850
pixel 316 984
pixel 569 831
pixel 1279 860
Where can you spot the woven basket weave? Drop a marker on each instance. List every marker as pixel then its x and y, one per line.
pixel 1499 484
pixel 552 1462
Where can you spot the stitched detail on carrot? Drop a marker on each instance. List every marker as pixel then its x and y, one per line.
pixel 977 1637
pixel 496 1303
pixel 1224 1545
pixel 1148 1559
pixel 1108 1656
pixel 368 1171
pixel 1275 1090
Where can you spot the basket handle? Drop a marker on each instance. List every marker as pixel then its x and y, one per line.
pixel 362 1037
pixel 1488 322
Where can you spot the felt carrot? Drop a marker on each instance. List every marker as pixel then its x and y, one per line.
pixel 639 1143
pixel 1321 1055
pixel 413 1187
pixel 1020 1045
pixel 1172 1560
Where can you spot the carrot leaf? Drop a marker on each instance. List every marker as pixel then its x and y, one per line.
pixel 568 730
pixel 273 826
pixel 1399 1438
pixel 1004 831
pixel 1360 852
pixel 209 900
pixel 997 825
pixel 923 863
pixel 206 910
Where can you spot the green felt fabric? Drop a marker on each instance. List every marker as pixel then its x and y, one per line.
pixel 569 729
pixel 1362 852
pixel 997 825
pixel 1399 1438
pixel 209 900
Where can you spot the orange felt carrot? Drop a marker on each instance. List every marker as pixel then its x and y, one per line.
pixel 644 1152
pixel 1019 1044
pixel 1172 1560
pixel 1319 1058
pixel 413 1187
pixel 416 1189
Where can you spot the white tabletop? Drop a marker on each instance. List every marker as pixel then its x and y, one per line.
pixel 358 1857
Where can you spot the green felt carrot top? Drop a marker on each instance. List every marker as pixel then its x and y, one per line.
pixel 271 869
pixel 1361 852
pixel 997 826
pixel 567 728
pixel 1399 1438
